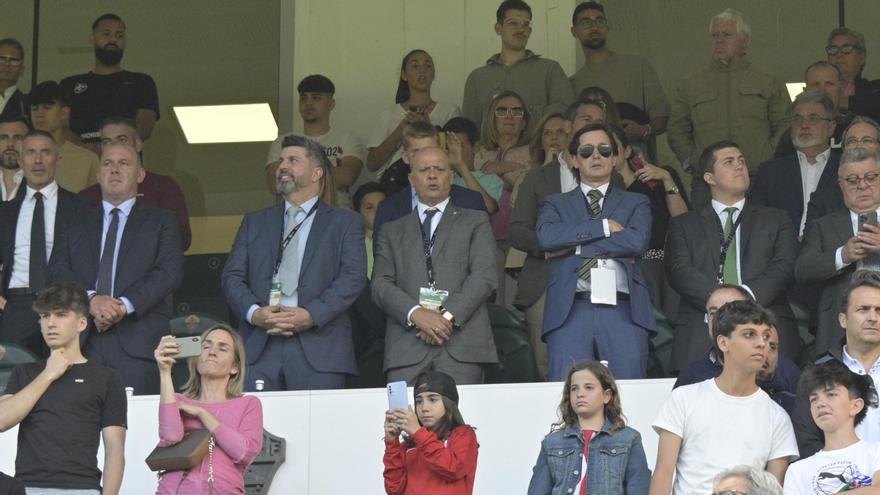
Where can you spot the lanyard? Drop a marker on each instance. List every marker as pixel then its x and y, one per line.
pixel 725 242
pixel 428 245
pixel 289 238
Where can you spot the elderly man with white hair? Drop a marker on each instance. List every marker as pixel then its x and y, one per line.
pixel 746 480
pixel 729 100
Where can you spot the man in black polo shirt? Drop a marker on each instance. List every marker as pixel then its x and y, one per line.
pixel 109 91
pixel 62 404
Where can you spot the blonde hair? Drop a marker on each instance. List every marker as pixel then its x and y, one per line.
pixel 489 132
pixel 235 386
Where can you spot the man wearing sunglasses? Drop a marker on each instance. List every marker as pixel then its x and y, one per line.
pixel 12 101
pixel 838 244
pixel 597 303
pixel 730 241
pixel 846 50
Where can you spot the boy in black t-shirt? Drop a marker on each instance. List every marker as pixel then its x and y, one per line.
pixel 62 405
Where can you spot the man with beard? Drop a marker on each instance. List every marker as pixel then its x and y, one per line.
pixel 291 288
pixel 628 78
pixel 109 91
pixel 12 100
pixel 12 131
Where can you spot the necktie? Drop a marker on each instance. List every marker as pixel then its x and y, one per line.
pixel 730 260
pixel 105 267
pixel 595 210
pixel 588 437
pixel 289 270
pixel 426 228
pixel 37 272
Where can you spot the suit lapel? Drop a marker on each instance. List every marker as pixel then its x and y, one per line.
pixel 709 222
pixel 316 234
pixel 444 228
pixel 274 219
pixel 613 198
pixel 793 173
pixel 746 226
pixel 129 234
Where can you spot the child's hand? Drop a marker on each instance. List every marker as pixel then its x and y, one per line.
pixel 392 431
pixel 407 420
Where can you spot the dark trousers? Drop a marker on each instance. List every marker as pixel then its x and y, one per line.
pixel 283 366
pixel 20 325
pixel 139 373
pixel 596 332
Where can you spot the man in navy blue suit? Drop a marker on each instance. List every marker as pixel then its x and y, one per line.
pixel 292 274
pixel 598 306
pixel 418 136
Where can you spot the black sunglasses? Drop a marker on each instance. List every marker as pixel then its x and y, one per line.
pixel 587 150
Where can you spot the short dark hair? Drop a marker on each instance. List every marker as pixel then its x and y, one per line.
pixel 418 130
pixel 366 188
pixel 575 142
pixel 48 93
pixel 36 132
pixel 68 296
pixel 463 125
pixel 15 44
pixel 707 157
pixel 736 313
pixel 15 119
pixel 572 109
pixel 511 5
pixel 314 150
pixel 316 83
pixel 586 6
pixel 832 373
pixel 107 17
pixel 861 278
pixel 117 120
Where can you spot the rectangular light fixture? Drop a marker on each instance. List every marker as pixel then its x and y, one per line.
pixel 795 89
pixel 227 123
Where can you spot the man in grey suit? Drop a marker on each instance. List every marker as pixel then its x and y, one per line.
pixel 291 276
pixel 838 244
pixel 433 272
pixel 761 250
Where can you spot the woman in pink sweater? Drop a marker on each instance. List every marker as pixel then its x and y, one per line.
pixel 211 399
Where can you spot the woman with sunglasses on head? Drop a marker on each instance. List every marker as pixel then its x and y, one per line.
pixel 413 103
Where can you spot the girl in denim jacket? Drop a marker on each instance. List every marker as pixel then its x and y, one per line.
pixel 590 414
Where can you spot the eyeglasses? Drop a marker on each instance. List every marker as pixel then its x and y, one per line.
pixel 845 49
pixel 811 119
pixel 516 112
pixel 15 62
pixel 588 23
pixel 864 142
pixel 730 492
pixel 518 24
pixel 854 181
pixel 587 150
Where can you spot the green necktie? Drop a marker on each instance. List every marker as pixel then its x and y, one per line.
pixel 729 271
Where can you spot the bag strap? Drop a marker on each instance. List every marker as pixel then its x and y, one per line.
pixel 211 465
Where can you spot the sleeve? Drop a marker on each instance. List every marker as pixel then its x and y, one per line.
pixel 638 476
pixel 493 185
pixel 672 414
pixel 395 467
pixel 778 108
pixel 470 105
pixel 234 280
pixel 242 442
pixel 521 232
pixel 115 408
pixel 353 146
pixel 656 102
pixel 559 91
pixel 783 443
pixel 382 128
pixel 680 130
pixel 453 461
pixel 148 95
pixel 16 381
pixel 170 424
pixel 542 478
pixel 794 480
pixel 688 281
pixel 274 153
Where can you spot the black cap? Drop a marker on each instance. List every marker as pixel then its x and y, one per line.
pixel 48 93
pixel 437 382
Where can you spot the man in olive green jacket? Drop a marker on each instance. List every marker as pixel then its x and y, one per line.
pixel 730 100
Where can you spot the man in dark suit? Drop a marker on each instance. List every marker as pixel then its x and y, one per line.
pixel 416 137
pixel 12 131
pixel 786 183
pixel 597 303
pixel 761 246
pixel 433 272
pixel 129 258
pixel 29 226
pixel 841 242
pixel 291 287
pixel 14 102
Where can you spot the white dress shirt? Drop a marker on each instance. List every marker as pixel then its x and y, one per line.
pixel 6 95
pixel 869 428
pixel 567 181
pixel 20 277
pixel 17 178
pixel 810 175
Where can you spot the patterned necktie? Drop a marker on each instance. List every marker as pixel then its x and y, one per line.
pixel 105 266
pixel 289 270
pixel 729 271
pixel 426 228
pixel 595 211
pixel 37 271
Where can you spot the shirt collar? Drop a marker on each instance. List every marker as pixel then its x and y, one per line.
pixel 124 207
pixel 602 189
pixel 49 191
pixel 821 158
pixel 719 207
pixel 421 207
pixel 853 363
pixel 496 59
pixel 306 206
pixel 9 92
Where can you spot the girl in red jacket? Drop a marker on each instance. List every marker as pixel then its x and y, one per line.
pixel 438 454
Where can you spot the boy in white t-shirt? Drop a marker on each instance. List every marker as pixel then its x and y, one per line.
pixel 707 427
pixel 838 402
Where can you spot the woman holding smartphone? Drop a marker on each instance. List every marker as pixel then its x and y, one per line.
pixel 413 103
pixel 212 399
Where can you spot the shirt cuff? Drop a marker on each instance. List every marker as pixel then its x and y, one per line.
pixel 250 314
pixel 606 228
pixel 128 306
pixel 409 315
pixel 838 260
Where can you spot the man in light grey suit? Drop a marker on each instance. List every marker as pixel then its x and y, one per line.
pixel 433 271
pixel 291 284
pixel 839 243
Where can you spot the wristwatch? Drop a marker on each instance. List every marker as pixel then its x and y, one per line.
pixel 672 191
pixel 447 315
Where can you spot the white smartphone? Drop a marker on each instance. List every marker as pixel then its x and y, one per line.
pixel 397 398
pixel 189 346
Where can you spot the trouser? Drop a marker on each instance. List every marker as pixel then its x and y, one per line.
pixel 283 366
pixel 438 359
pixel 142 374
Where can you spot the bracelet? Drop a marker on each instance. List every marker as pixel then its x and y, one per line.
pixel 648 132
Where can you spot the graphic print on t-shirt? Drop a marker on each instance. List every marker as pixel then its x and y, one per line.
pixel 838 476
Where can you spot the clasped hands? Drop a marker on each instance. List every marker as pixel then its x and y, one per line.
pixel 107 311
pixel 283 320
pixel 434 329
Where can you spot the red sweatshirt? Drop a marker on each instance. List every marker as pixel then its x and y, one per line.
pixel 433 466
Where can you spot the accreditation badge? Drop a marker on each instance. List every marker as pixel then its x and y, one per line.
pixel 432 298
pixel 603 286
pixel 275 291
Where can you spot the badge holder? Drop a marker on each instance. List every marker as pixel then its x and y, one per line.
pixel 603 285
pixel 432 299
